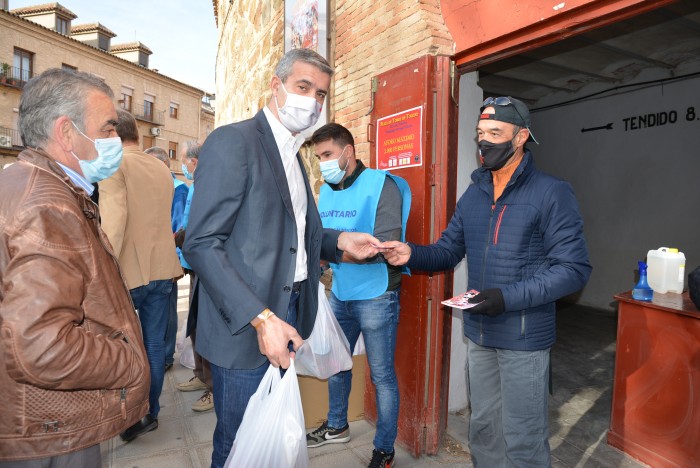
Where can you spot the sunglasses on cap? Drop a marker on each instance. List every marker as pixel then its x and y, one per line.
pixel 502 101
pixel 499 101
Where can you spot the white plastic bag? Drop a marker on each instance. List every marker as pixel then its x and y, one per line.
pixel 183 345
pixel 359 346
pixel 187 355
pixel 272 433
pixel 327 351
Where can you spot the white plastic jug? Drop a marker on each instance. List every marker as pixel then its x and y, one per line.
pixel 666 270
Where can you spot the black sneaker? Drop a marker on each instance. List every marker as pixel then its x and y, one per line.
pixel 327 435
pixel 381 459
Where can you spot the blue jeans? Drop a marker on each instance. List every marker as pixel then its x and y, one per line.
pixel 378 320
pixel 508 395
pixel 171 333
pixel 232 389
pixel 151 301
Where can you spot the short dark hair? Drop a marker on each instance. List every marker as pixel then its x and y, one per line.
pixel 335 132
pixel 126 126
pixel 286 63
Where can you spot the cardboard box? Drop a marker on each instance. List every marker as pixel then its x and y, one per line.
pixel 314 395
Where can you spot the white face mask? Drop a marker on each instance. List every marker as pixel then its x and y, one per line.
pixel 299 112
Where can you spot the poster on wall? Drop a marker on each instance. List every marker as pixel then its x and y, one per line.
pixel 400 140
pixel 305 25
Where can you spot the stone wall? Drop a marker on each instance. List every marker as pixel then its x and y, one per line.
pixel 251 42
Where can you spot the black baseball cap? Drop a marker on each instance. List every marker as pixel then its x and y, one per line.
pixel 508 109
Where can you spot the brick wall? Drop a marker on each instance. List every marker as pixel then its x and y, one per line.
pixel 373 37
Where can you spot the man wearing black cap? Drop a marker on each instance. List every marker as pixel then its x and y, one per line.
pixel 522 234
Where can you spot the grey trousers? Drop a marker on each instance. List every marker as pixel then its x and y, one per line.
pixel 86 458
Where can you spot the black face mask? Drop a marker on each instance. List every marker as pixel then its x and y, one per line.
pixel 495 155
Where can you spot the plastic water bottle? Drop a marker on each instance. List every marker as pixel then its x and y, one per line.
pixel 666 270
pixel 642 291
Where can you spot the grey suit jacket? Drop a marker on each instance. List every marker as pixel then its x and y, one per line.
pixel 241 242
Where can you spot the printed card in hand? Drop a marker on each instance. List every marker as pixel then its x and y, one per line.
pixel 462 301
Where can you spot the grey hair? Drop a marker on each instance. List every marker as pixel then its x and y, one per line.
pixel 192 149
pixel 159 153
pixel 284 67
pixel 53 94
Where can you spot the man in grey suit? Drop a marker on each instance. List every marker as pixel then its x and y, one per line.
pixel 255 240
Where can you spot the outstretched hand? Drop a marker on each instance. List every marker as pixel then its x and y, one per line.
pixel 396 253
pixel 359 245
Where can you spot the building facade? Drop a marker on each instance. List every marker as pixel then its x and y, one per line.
pixel 37 38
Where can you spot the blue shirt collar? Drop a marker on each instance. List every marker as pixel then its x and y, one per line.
pixel 77 179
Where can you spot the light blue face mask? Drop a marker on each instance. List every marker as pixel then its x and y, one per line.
pixel 188 175
pixel 331 171
pixel 109 157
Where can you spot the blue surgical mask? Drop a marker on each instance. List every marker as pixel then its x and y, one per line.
pixel 188 175
pixel 331 171
pixel 109 157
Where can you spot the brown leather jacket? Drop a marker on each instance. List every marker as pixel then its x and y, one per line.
pixel 73 368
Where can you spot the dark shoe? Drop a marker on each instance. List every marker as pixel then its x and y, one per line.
pixel 381 459
pixel 147 424
pixel 327 435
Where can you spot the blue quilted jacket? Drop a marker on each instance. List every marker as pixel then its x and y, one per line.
pixel 529 244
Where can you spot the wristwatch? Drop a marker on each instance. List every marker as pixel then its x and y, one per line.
pixel 262 316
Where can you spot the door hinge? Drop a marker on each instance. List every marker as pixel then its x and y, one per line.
pixel 375 87
pixel 453 79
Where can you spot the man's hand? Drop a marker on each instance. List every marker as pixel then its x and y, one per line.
pixel 396 253
pixel 359 245
pixel 274 336
pixel 489 302
pixel 179 238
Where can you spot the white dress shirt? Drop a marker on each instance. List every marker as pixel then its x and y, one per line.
pixel 288 146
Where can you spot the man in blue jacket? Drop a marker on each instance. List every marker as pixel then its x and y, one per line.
pixel 522 234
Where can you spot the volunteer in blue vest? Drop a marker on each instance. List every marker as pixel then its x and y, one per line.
pixel 365 296
pixel 202 373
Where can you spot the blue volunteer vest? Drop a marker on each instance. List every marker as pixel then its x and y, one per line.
pixel 185 221
pixel 354 210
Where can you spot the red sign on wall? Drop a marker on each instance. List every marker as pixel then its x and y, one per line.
pixel 399 140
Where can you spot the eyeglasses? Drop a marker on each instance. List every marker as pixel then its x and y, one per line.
pixel 505 101
pixel 499 101
pixel 502 101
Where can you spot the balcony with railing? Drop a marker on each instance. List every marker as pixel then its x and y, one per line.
pixel 10 139
pixel 148 114
pixel 13 76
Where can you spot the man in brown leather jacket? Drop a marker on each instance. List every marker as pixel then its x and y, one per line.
pixel 73 368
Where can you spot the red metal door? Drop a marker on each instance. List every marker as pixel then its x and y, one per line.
pixel 423 344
